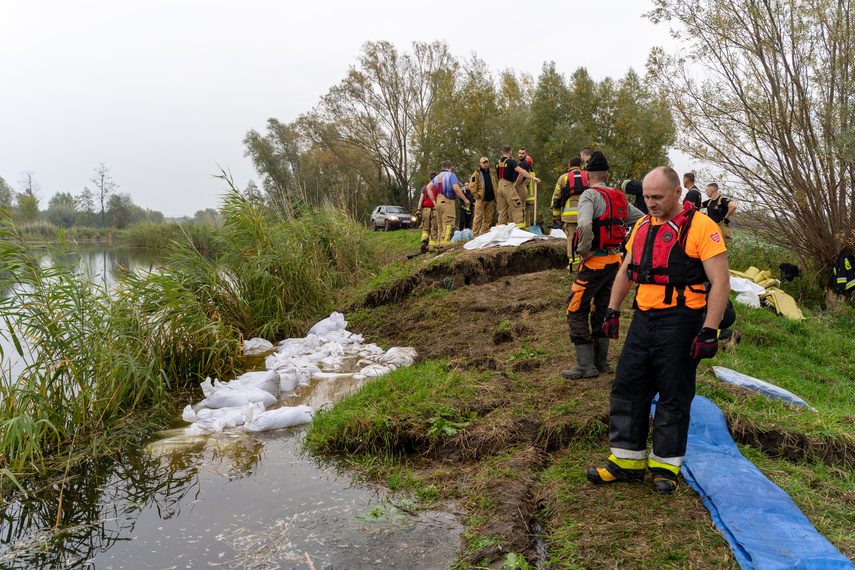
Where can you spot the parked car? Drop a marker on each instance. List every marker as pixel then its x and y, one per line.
pixel 391 218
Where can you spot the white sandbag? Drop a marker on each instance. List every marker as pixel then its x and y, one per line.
pixel 399 357
pixel 256 346
pixel 741 285
pixel 207 387
pixel 372 371
pixel 267 380
pixel 333 322
pixel 508 234
pixel 557 233
pixel 280 418
pixel 234 397
pixel 220 419
pixel 748 298
pixel 288 378
pixel 189 414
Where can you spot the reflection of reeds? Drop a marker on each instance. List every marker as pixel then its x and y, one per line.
pixel 93 356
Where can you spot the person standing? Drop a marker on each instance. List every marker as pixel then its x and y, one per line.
pixel 525 187
pixel 483 184
pixel 430 229
pixel 693 195
pixel 720 209
pixel 601 229
pixel 672 252
pixel 565 202
pixel 444 190
pixel 466 213
pixel 507 199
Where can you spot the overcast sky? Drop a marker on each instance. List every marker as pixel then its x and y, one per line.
pixel 164 91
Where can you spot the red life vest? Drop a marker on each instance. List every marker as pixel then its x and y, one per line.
pixel 656 260
pixel 426 201
pixel 579 185
pixel 610 228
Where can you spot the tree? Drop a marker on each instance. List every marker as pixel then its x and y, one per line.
pixel 28 198
pixel 7 195
pixel 276 157
pixel 381 108
pixel 62 210
pixel 123 211
pixel 550 122
pixel 105 186
pixel 766 92
pixel 85 206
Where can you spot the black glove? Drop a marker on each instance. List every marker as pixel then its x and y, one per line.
pixel 705 345
pixel 611 326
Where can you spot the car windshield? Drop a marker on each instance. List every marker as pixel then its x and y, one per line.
pixel 396 210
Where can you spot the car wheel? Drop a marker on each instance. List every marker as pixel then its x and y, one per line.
pixel 386 226
pixel 373 227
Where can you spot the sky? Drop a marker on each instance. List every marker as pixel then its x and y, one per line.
pixel 163 92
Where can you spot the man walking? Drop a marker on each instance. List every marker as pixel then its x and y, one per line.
pixel 601 229
pixel 483 184
pixel 720 209
pixel 444 190
pixel 673 251
pixel 507 199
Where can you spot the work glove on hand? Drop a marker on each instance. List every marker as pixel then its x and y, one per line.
pixel 705 345
pixel 611 326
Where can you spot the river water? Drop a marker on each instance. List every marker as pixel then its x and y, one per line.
pixel 231 500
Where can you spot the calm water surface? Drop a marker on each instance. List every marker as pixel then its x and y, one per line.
pixel 231 500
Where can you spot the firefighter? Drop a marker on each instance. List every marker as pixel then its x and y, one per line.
pixel 444 190
pixel 483 184
pixel 507 199
pixel 525 187
pixel 565 202
pixel 672 252
pixel 601 229
pixel 427 212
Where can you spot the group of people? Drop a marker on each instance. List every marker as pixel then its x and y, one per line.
pixel 510 189
pixel 674 253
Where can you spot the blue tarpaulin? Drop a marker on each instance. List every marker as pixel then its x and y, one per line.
pixel 761 523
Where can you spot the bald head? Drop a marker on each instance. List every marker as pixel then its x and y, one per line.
pixel 661 189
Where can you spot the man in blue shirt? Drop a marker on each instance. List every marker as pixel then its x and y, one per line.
pixel 445 189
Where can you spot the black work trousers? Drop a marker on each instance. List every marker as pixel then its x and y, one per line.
pixel 589 296
pixel 655 358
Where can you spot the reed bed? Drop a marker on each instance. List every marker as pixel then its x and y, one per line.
pixel 92 356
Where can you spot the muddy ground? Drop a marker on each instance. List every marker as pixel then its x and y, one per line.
pixel 499 314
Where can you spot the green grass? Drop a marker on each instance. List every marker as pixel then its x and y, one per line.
pixel 389 414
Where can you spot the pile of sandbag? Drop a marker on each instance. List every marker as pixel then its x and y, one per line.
pixel 253 400
pixel 756 287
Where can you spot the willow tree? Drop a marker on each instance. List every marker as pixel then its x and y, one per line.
pixel 765 91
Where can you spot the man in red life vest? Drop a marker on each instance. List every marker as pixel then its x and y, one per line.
pixel 601 224
pixel 672 252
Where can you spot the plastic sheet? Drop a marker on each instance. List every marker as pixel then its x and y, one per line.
pixel 759 386
pixel 761 523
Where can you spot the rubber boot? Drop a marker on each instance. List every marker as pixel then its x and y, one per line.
pixel 664 481
pixel 584 363
pixel 601 355
pixel 424 246
pixel 611 473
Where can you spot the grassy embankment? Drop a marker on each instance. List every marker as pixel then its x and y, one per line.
pixel 99 368
pixel 486 419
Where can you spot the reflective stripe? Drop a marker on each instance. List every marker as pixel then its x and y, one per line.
pixel 572 211
pixel 620 455
pixel 670 463
pixel 629 463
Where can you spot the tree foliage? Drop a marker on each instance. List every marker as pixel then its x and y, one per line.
pixel 765 92
pixel 397 116
pixel 105 187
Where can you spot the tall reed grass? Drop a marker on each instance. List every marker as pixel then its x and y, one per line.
pixel 91 355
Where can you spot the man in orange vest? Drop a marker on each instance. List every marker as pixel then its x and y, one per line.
pixel 673 251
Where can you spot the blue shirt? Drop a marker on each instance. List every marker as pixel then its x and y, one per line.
pixel 445 182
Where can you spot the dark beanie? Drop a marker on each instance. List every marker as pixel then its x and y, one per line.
pixel 597 163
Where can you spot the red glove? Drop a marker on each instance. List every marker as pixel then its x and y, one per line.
pixel 611 326
pixel 705 345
